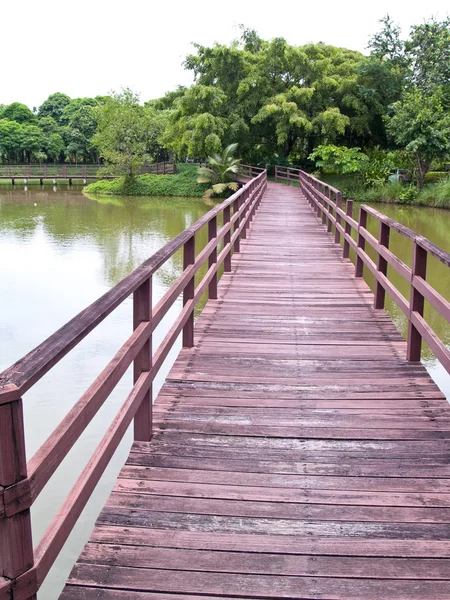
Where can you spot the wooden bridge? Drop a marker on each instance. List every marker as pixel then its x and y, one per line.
pixel 68 172
pixel 298 448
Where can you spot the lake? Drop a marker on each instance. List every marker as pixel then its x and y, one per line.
pixel 59 251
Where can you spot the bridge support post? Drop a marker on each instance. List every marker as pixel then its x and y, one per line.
pixel 416 304
pixel 142 311
pixel 348 227
pixel 383 239
pixel 16 547
pixel 361 244
pixel 212 260
pixel 188 292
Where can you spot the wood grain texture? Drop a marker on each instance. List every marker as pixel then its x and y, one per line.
pixel 296 453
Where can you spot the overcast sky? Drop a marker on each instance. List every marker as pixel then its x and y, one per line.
pixel 89 47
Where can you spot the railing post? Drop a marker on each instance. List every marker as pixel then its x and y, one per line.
pixel 142 311
pixel 236 205
pixel 212 260
pixel 337 235
pixel 362 223
pixel 416 304
pixel 288 176
pixel 322 191
pixel 330 210
pixel 16 547
pixel 348 227
pixel 316 197
pixel 227 239
pixel 276 174
pixel 383 240
pixel 188 293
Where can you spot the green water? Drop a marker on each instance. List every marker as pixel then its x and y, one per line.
pixel 59 251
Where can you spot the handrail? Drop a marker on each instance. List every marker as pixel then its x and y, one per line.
pixel 23 568
pixel 327 203
pixel 66 171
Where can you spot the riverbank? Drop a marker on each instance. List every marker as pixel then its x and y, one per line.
pixel 183 183
pixel 434 195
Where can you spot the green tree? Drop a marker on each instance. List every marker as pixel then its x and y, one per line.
pixel 10 140
pixel 420 124
pixel 54 106
pixel 123 131
pixel 18 112
pixel 339 159
pixel 220 172
pixel 31 140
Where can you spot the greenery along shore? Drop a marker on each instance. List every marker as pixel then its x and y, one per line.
pixel 183 183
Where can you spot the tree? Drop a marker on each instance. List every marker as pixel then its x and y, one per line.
pixel 10 140
pixel 220 172
pixel 339 159
pixel 420 124
pixel 18 112
pixel 54 106
pixel 123 131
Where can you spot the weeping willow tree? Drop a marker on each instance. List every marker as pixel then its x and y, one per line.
pixel 220 172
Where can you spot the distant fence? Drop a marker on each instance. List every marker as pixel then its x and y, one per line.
pixel 83 171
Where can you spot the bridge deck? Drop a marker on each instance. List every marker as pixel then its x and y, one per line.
pixel 296 453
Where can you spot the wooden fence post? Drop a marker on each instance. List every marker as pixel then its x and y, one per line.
pixel 276 174
pixel 236 206
pixel 212 260
pixel 362 223
pixel 188 292
pixel 337 235
pixel 383 239
pixel 16 547
pixel 348 227
pixel 227 239
pixel 142 311
pixel 322 201
pixel 416 304
pixel 329 221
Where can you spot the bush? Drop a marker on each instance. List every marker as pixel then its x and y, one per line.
pixel 184 183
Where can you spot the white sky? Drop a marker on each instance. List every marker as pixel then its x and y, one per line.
pixel 87 48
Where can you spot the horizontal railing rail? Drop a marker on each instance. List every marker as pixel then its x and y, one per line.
pixel 328 205
pixel 24 568
pixel 248 171
pixel 66 171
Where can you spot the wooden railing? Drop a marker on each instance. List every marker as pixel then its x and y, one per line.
pixel 248 171
pixel 65 171
pixel 327 202
pixel 24 568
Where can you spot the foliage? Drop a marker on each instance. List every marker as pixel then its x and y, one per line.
pixel 420 124
pixel 339 159
pixel 54 106
pixel 123 130
pixel 220 173
pixel 18 112
pixel 184 183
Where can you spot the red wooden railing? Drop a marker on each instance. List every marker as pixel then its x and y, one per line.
pixel 327 202
pixel 24 568
pixel 65 171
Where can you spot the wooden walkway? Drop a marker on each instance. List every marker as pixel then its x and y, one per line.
pixel 296 453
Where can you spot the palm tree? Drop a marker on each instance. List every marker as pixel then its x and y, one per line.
pixel 220 172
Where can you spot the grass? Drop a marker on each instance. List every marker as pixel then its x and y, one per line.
pixel 184 183
pixel 434 194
